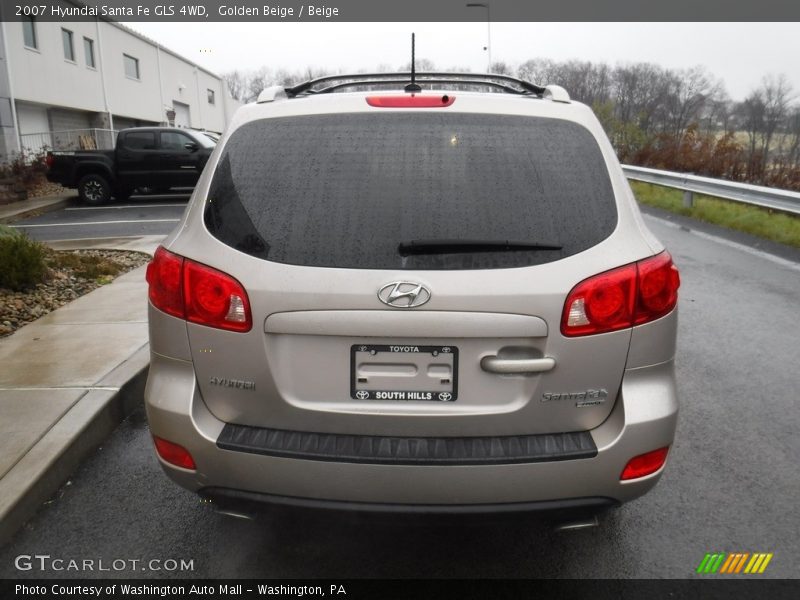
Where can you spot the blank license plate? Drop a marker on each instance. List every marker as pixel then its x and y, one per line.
pixel 404 372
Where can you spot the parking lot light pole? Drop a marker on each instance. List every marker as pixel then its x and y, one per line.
pixel 488 29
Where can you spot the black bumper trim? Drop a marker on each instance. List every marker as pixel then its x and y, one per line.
pixel 383 450
pixel 253 502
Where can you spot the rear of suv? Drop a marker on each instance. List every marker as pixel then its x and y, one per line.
pixel 438 301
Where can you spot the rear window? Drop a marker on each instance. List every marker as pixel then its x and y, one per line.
pixel 140 140
pixel 347 190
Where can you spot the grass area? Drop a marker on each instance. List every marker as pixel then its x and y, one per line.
pixel 25 263
pixel 763 222
pixel 98 268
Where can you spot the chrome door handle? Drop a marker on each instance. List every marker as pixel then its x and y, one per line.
pixel 494 364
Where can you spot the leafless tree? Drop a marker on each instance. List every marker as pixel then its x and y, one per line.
pixel 777 92
pixel 762 115
pixel 718 113
pixel 640 90
pixel 237 84
pixel 793 134
pixel 420 65
pixel 538 70
pixel 689 91
pixel 501 68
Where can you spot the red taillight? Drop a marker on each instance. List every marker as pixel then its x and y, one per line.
pixel 644 464
pixel 164 275
pixel 188 290
pixel 602 303
pixel 214 298
pixel 49 159
pixel 174 454
pixel 631 295
pixel 658 288
pixel 410 101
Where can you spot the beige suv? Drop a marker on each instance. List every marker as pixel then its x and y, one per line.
pixel 405 299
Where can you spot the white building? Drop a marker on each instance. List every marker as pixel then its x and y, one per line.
pixel 64 82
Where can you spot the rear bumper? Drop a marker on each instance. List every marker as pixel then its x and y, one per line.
pixel 643 419
pixel 61 179
pixel 252 503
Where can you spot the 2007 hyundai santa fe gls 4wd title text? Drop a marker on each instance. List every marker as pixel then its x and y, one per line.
pixel 413 300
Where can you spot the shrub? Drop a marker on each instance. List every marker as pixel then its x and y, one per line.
pixel 21 261
pixel 27 167
pixel 5 230
pixel 87 266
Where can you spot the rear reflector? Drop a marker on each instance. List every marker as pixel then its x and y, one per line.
pixel 197 293
pixel 411 101
pixel 631 295
pixel 644 464
pixel 174 454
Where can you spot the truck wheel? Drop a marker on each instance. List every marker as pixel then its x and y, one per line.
pixel 93 189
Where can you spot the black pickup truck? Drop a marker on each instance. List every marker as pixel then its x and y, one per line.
pixel 156 158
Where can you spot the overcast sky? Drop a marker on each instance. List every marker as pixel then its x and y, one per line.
pixel 739 53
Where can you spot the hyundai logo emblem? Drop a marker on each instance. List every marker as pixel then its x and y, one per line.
pixel 404 294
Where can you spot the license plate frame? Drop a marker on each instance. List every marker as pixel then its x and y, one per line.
pixel 444 393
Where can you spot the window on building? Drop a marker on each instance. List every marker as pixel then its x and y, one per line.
pixel 140 140
pixel 131 66
pixel 69 48
pixel 88 50
pixel 29 32
pixel 210 96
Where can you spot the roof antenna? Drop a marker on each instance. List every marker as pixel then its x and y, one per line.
pixel 413 87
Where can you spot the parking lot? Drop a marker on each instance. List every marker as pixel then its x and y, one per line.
pixel 730 485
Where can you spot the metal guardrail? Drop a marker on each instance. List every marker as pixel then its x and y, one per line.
pixel 782 200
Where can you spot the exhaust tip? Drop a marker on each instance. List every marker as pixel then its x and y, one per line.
pixel 234 513
pixel 576 524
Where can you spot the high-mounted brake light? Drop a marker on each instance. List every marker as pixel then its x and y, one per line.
pixel 644 464
pixel 410 101
pixel 174 454
pixel 189 290
pixel 631 295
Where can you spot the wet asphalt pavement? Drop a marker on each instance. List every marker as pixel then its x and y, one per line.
pixel 731 485
pixel 140 215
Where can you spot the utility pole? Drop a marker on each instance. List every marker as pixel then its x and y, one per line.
pixel 488 30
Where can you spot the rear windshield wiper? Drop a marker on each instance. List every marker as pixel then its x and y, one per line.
pixel 464 246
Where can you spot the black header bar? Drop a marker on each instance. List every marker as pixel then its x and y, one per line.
pixel 404 10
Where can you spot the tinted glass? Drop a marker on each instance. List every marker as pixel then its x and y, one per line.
pixel 205 139
pixel 346 190
pixel 69 50
pixel 140 140
pixel 88 50
pixel 175 142
pixel 131 66
pixel 29 32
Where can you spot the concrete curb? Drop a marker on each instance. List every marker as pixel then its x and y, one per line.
pixel 45 468
pixel 71 378
pixel 19 210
